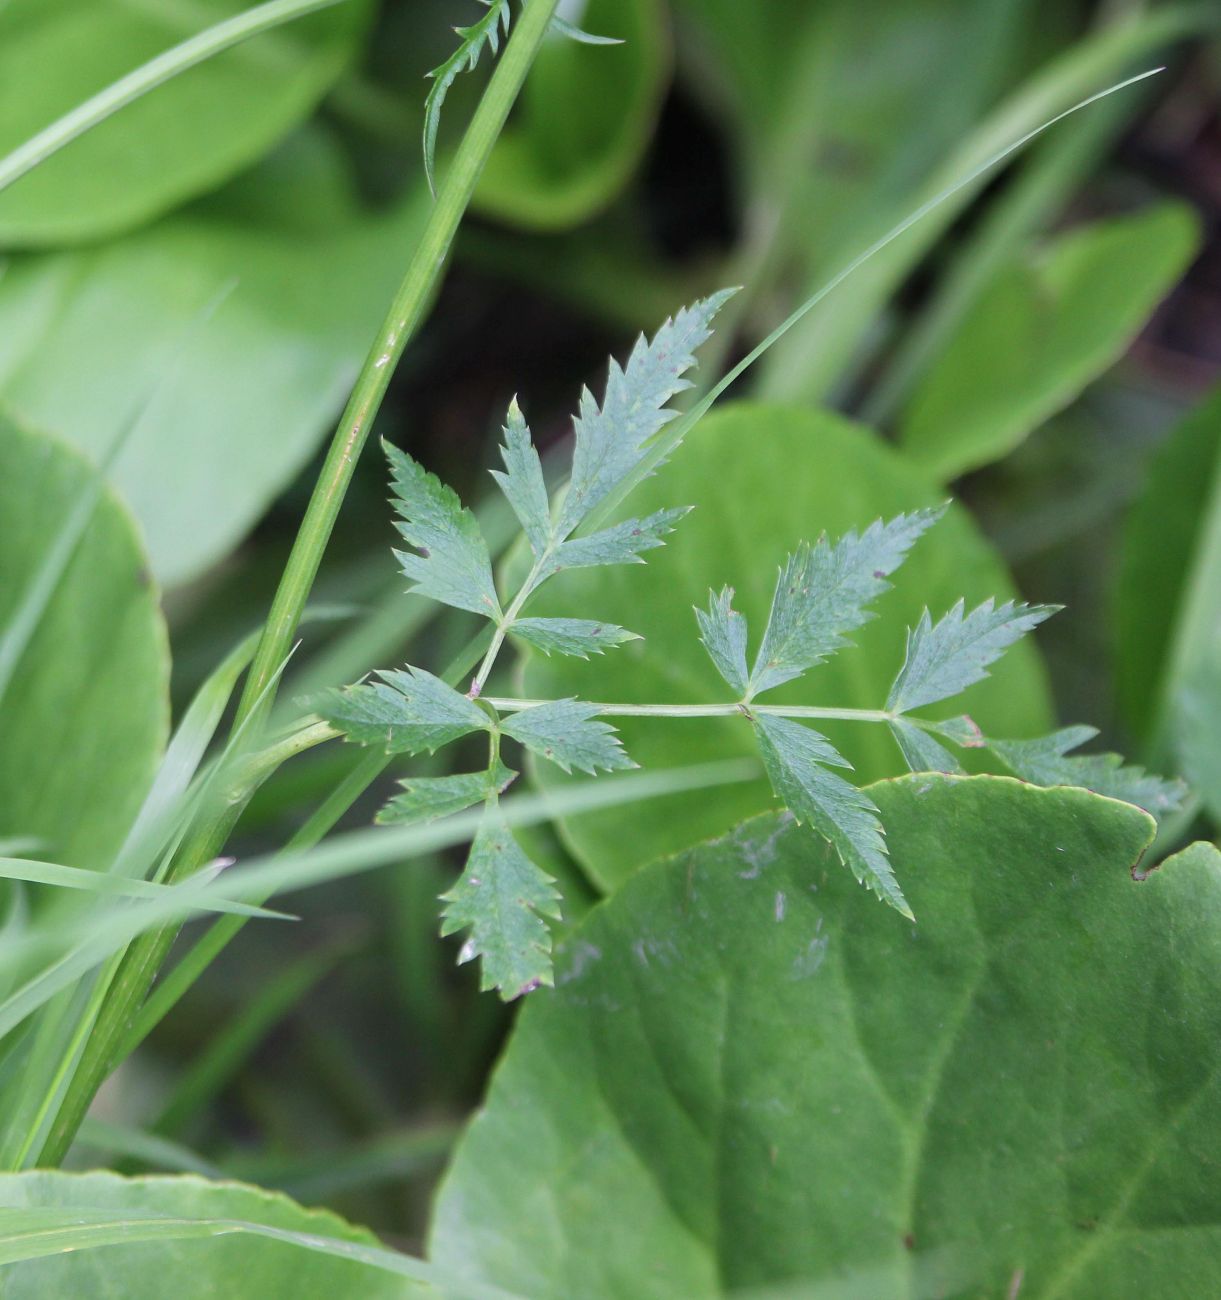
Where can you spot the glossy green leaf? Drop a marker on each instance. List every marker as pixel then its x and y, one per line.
pixel 184 1236
pixel 946 657
pixel 452 564
pixel 585 119
pixel 409 711
pixel 182 140
pixel 1044 330
pixel 503 898
pixel 309 279
pixel 1171 550
pixel 824 591
pixel 763 479
pixel 425 798
pixel 96 665
pixel 749 1075
pixel 569 734
pixel 579 637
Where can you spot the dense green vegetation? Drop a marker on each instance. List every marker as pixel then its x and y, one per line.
pixel 460 895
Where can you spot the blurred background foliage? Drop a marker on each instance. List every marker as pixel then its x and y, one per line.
pixel 1042 347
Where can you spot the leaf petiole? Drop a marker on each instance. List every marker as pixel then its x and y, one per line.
pixel 510 705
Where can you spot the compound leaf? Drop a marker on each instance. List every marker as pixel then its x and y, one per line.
pixel 568 733
pixel 425 798
pixel 1047 761
pixel 946 657
pixel 580 637
pixel 723 632
pixel 407 712
pixel 619 544
pixel 502 898
pixel 484 32
pixel 522 481
pixel 610 439
pixel 795 758
pixel 823 593
pixel 452 564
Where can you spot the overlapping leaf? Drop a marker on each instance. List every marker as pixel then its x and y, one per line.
pixel 568 733
pixel 1049 761
pixel 452 564
pixel 483 32
pixel 824 592
pixel 946 657
pixel 723 632
pixel 522 481
pixel 425 798
pixel 502 898
pixel 580 637
pixel 611 438
pixel 619 544
pixel 795 758
pixel 922 752
pixel 406 712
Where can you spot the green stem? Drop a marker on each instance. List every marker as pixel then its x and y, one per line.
pixel 196 49
pixel 507 621
pixel 402 321
pixel 116 1021
pixel 706 710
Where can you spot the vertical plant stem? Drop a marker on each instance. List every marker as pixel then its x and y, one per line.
pixel 401 323
pixel 142 962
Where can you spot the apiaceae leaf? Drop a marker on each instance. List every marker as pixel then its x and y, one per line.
pixel 921 752
pixel 484 31
pixel 823 593
pixel 619 544
pixel 407 712
pixel 946 657
pixel 1048 761
pixel 569 733
pixel 611 438
pixel 795 758
pixel 426 798
pixel 502 898
pixel 522 481
pixel 723 632
pixel 452 564
pixel 580 637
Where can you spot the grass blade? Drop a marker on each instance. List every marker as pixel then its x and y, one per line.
pixel 196 49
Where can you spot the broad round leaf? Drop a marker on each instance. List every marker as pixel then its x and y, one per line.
pixel 244 396
pixel 762 479
pixel 180 140
pixel 84 717
pixel 752 1074
pixel 216 1255
pixel 585 119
